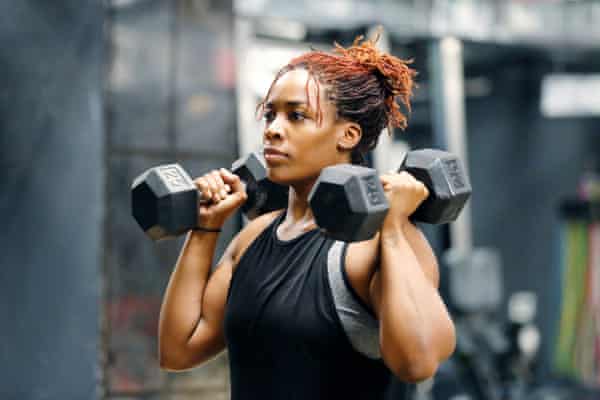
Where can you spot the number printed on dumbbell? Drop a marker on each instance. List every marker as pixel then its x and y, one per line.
pixel 173 177
pixel 455 173
pixel 374 195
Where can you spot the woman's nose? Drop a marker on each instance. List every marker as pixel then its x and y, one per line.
pixel 273 131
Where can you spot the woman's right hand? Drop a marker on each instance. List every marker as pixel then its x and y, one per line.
pixel 224 192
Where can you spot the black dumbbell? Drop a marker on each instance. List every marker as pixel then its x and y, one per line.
pixel 164 199
pixel 446 179
pixel 349 203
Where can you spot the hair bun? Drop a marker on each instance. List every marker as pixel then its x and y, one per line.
pixel 398 77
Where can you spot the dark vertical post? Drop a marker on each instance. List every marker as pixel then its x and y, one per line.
pixel 52 207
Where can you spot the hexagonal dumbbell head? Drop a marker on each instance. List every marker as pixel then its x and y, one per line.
pixel 348 202
pixel 164 201
pixel 263 195
pixel 447 182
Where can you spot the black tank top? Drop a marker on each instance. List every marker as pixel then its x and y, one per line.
pixel 284 338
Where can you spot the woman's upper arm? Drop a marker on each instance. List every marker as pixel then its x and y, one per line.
pixel 208 339
pixel 362 262
pixel 424 253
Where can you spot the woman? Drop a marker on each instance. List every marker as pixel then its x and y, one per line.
pixel 302 315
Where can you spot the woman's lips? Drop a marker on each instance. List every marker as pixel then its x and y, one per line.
pixel 274 154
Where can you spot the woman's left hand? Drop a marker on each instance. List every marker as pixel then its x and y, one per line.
pixel 404 193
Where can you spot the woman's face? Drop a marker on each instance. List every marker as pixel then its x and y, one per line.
pixel 296 146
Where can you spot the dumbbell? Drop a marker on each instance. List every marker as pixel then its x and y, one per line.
pixel 164 199
pixel 349 203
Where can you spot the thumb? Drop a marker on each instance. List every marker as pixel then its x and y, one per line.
pixel 238 189
pixel 233 180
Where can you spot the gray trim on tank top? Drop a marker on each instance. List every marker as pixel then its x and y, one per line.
pixel 361 327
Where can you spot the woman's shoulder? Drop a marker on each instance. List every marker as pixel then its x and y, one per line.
pixel 251 231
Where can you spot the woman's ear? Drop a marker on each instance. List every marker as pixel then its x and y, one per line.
pixel 350 136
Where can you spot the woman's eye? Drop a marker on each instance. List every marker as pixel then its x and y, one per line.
pixel 268 116
pixel 296 116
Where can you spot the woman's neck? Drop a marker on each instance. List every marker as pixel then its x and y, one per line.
pixel 299 213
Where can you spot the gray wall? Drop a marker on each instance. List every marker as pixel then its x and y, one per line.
pixel 51 158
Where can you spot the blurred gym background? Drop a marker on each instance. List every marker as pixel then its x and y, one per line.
pixel 94 92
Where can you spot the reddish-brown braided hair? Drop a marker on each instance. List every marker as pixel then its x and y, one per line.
pixel 365 85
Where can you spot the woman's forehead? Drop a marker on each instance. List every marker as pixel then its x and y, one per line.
pixel 290 88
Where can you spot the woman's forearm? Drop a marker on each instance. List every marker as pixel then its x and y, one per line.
pixel 416 330
pixel 181 310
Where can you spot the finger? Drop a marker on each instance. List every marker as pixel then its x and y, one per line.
pixel 203 187
pixel 233 180
pixel 405 175
pixel 214 188
pixel 221 185
pixel 228 176
pixel 385 178
pixel 237 189
pixel 386 182
pixel 387 186
pixel 419 183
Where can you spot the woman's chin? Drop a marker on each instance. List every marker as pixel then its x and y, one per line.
pixel 290 177
pixel 279 179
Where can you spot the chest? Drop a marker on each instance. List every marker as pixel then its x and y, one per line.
pixel 280 297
